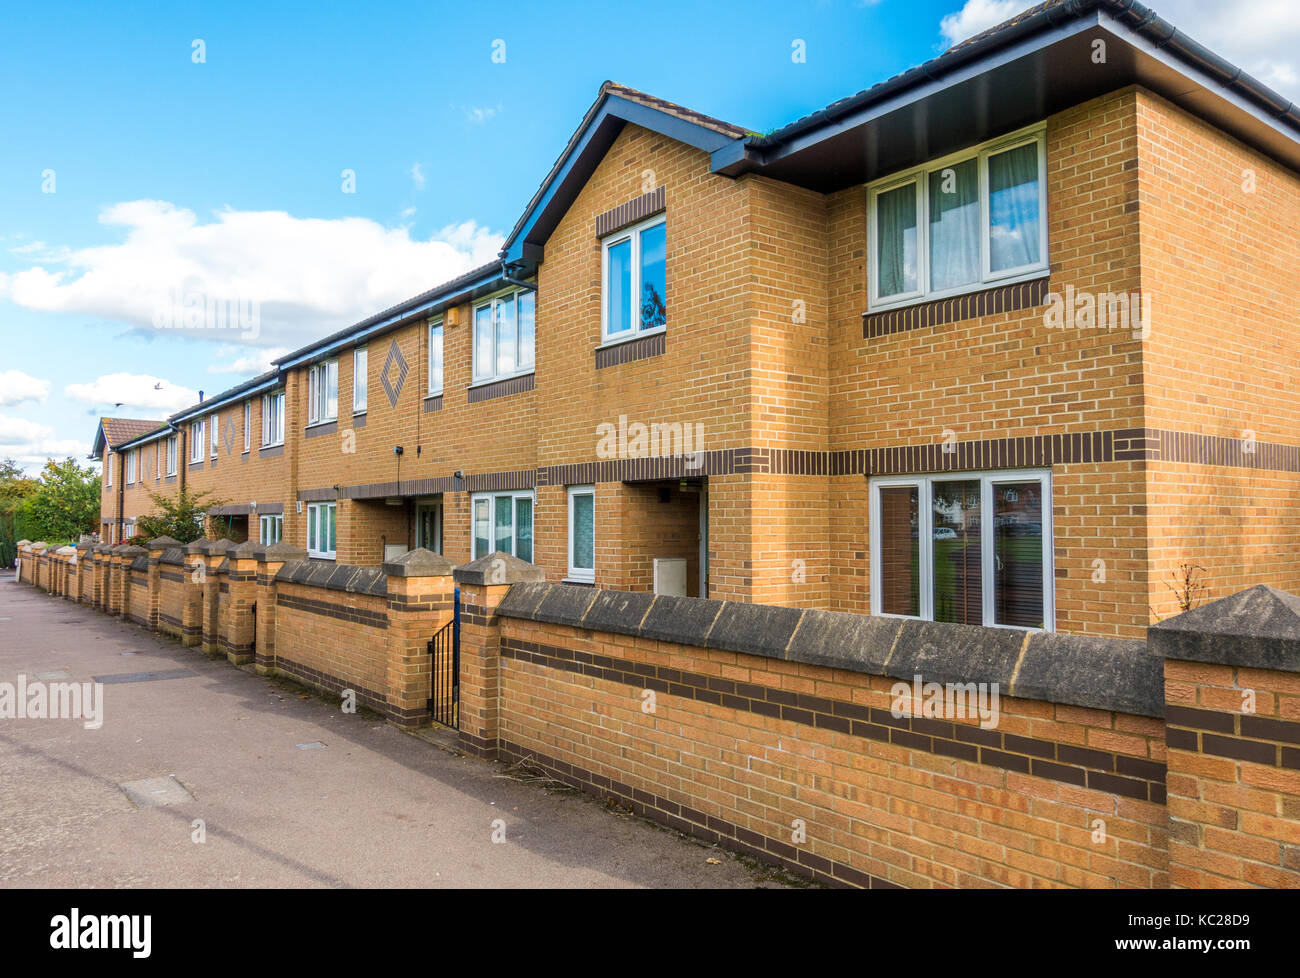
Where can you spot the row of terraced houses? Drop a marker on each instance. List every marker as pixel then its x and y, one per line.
pixel 1007 339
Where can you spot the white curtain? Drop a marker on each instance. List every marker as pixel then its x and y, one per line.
pixel 896 241
pixel 954 226
pixel 1013 208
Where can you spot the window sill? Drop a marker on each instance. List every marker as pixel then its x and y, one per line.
pixel 320 424
pixel 965 290
pixel 358 414
pixel 579 581
pixel 311 554
pixel 497 380
pixel 438 392
pixel 632 337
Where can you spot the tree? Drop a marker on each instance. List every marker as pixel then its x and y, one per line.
pixel 15 488
pixel 179 517
pixel 65 503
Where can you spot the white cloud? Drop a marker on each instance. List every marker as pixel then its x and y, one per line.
pixel 1262 36
pixel 30 443
pixel 140 394
pixel 16 387
pixel 976 16
pixel 304 276
pixel 478 115
pixel 250 363
pixel 417 175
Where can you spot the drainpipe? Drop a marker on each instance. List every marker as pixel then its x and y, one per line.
pixel 121 495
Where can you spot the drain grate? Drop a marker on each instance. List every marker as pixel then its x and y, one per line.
pixel 156 792
pixel 143 677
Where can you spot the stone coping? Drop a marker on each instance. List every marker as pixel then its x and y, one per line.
pixel 1076 670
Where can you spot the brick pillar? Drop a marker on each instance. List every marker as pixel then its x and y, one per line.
pixel 1232 722
pixel 196 582
pixel 419 603
pixel 128 556
pixel 24 561
pixel 213 557
pixel 155 549
pixel 269 562
pixel 237 622
pixel 98 591
pixel 85 573
pixel 483 584
pixel 113 599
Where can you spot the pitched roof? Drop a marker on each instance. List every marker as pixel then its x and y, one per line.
pixel 672 108
pixel 119 430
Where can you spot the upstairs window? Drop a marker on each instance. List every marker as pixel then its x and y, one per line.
pixel 215 426
pixel 198 433
pixel 158 447
pixel 273 419
pixel 635 293
pixel 248 424
pixel 435 357
pixel 359 382
pixel 504 331
pixel 963 223
pixel 131 457
pixel 171 455
pixel 323 392
pixel 108 468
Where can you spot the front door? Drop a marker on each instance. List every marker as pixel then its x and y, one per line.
pixel 428 526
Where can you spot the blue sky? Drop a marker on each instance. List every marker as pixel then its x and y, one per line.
pixel 226 175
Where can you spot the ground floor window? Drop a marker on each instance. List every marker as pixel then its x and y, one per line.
pixel 973 548
pixel 271 529
pixel 582 533
pixel 503 521
pixel 322 535
pixel 428 526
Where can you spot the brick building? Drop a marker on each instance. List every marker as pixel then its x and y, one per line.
pixel 1005 339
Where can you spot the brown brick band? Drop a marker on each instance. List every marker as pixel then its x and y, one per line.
pixel 375 619
pixel 331 683
pixel 694 823
pixel 989 302
pixel 1236 736
pixel 1119 774
pixel 625 215
pixel 432 404
pixel 502 388
pixel 632 350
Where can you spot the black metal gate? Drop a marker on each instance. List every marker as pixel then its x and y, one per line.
pixel 444 655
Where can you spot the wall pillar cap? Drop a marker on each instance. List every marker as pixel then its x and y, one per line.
pixel 1258 628
pixel 23 543
pixel 132 552
pixel 200 546
pixel 248 550
pixel 282 552
pixel 419 563
pixel 498 568
pixel 66 550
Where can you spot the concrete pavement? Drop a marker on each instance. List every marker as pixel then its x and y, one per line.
pixel 373 807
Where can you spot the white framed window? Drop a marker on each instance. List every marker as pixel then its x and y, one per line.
pixel 428 526
pixel 273 419
pixel 359 380
pixel 158 448
pixel 322 532
pixel 198 434
pixel 171 455
pixel 270 529
pixel 965 222
pixel 435 357
pixel 108 468
pixel 323 392
pixel 505 329
pixel 582 534
pixel 973 548
pixel 131 458
pixel 634 292
pixel 248 425
pixel 128 530
pixel 503 521
pixel 214 428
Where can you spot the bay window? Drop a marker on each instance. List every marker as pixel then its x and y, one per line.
pixel 323 392
pixel 273 419
pixel 634 299
pixel 582 534
pixel 969 221
pixel 504 336
pixel 503 521
pixel 972 548
pixel 322 532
